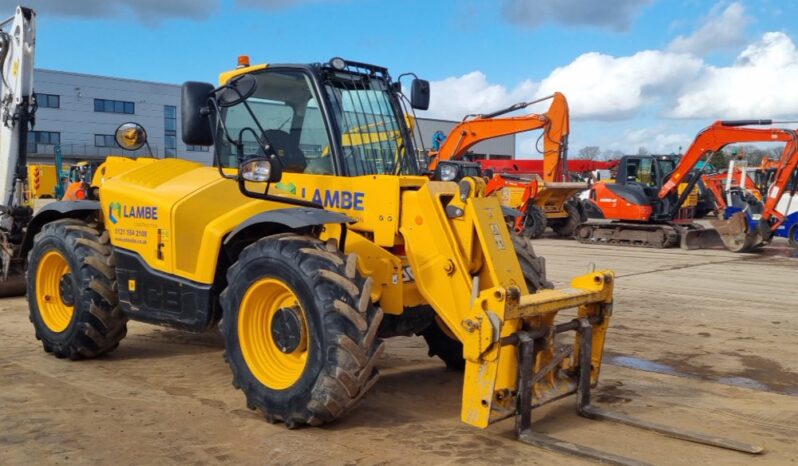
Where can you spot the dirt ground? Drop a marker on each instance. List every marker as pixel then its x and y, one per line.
pixel 703 340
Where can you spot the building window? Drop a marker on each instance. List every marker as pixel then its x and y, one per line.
pixel 48 100
pixel 42 137
pixel 170 130
pixel 114 106
pixel 198 148
pixel 104 140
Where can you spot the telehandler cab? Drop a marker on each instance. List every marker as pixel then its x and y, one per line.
pixel 307 261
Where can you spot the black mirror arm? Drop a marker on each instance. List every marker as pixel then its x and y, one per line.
pixel 213 108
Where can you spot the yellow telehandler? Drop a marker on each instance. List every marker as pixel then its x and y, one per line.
pixel 306 261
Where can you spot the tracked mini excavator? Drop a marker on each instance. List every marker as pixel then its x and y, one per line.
pixel 546 202
pixel 650 203
pixel 306 264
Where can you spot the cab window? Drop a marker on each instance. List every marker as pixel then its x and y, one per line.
pixel 286 108
pixel 640 171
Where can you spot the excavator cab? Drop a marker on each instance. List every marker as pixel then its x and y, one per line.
pixel 640 178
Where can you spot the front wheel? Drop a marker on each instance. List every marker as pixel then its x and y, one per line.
pixel 71 286
pixel 793 236
pixel 299 329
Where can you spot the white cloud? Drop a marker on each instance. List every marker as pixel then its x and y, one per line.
pixel 718 31
pixel 455 97
pixel 604 87
pixel 597 86
pixel 616 14
pixel 656 140
pixel 150 11
pixel 760 84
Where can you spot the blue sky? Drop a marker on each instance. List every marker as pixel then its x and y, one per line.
pixel 637 72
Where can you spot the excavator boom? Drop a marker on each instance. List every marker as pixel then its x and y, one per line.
pixel 714 138
pixel 472 131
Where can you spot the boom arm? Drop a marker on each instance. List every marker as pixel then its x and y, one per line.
pixel 17 104
pixel 715 137
pixel 483 127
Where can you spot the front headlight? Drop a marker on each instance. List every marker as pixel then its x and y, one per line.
pixel 257 170
pixel 448 172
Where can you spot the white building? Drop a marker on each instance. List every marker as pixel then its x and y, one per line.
pixel 81 111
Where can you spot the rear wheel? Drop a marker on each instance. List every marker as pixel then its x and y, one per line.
pixel 299 329
pixel 441 342
pixel 534 222
pixel 72 291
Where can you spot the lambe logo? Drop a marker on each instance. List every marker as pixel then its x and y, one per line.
pixel 114 212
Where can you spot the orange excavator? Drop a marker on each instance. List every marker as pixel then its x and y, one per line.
pixel 649 204
pixel 542 201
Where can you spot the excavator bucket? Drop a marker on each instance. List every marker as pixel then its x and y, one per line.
pixel 735 233
pixel 700 238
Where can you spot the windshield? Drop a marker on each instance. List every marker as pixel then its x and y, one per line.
pixel 286 107
pixel 370 123
pixel 666 166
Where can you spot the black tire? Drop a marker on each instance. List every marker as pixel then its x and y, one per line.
pixel 449 350
pixel 534 222
pixel 792 238
pixel 533 267
pixel 566 227
pixel 97 323
pixel 441 345
pixel 342 327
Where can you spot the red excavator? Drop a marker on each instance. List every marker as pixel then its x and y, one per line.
pixel 542 202
pixel 650 203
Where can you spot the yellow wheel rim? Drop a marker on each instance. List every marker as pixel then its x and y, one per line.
pixel 53 270
pixel 272 366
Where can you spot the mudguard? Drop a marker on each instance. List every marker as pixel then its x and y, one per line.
pixel 291 217
pixel 54 211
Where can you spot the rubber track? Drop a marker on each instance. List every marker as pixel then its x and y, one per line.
pixel 672 235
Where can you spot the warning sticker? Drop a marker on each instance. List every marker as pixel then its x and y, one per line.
pixel 497 236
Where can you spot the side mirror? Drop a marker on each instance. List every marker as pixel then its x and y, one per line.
pixel 194 114
pixel 419 94
pixel 130 136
